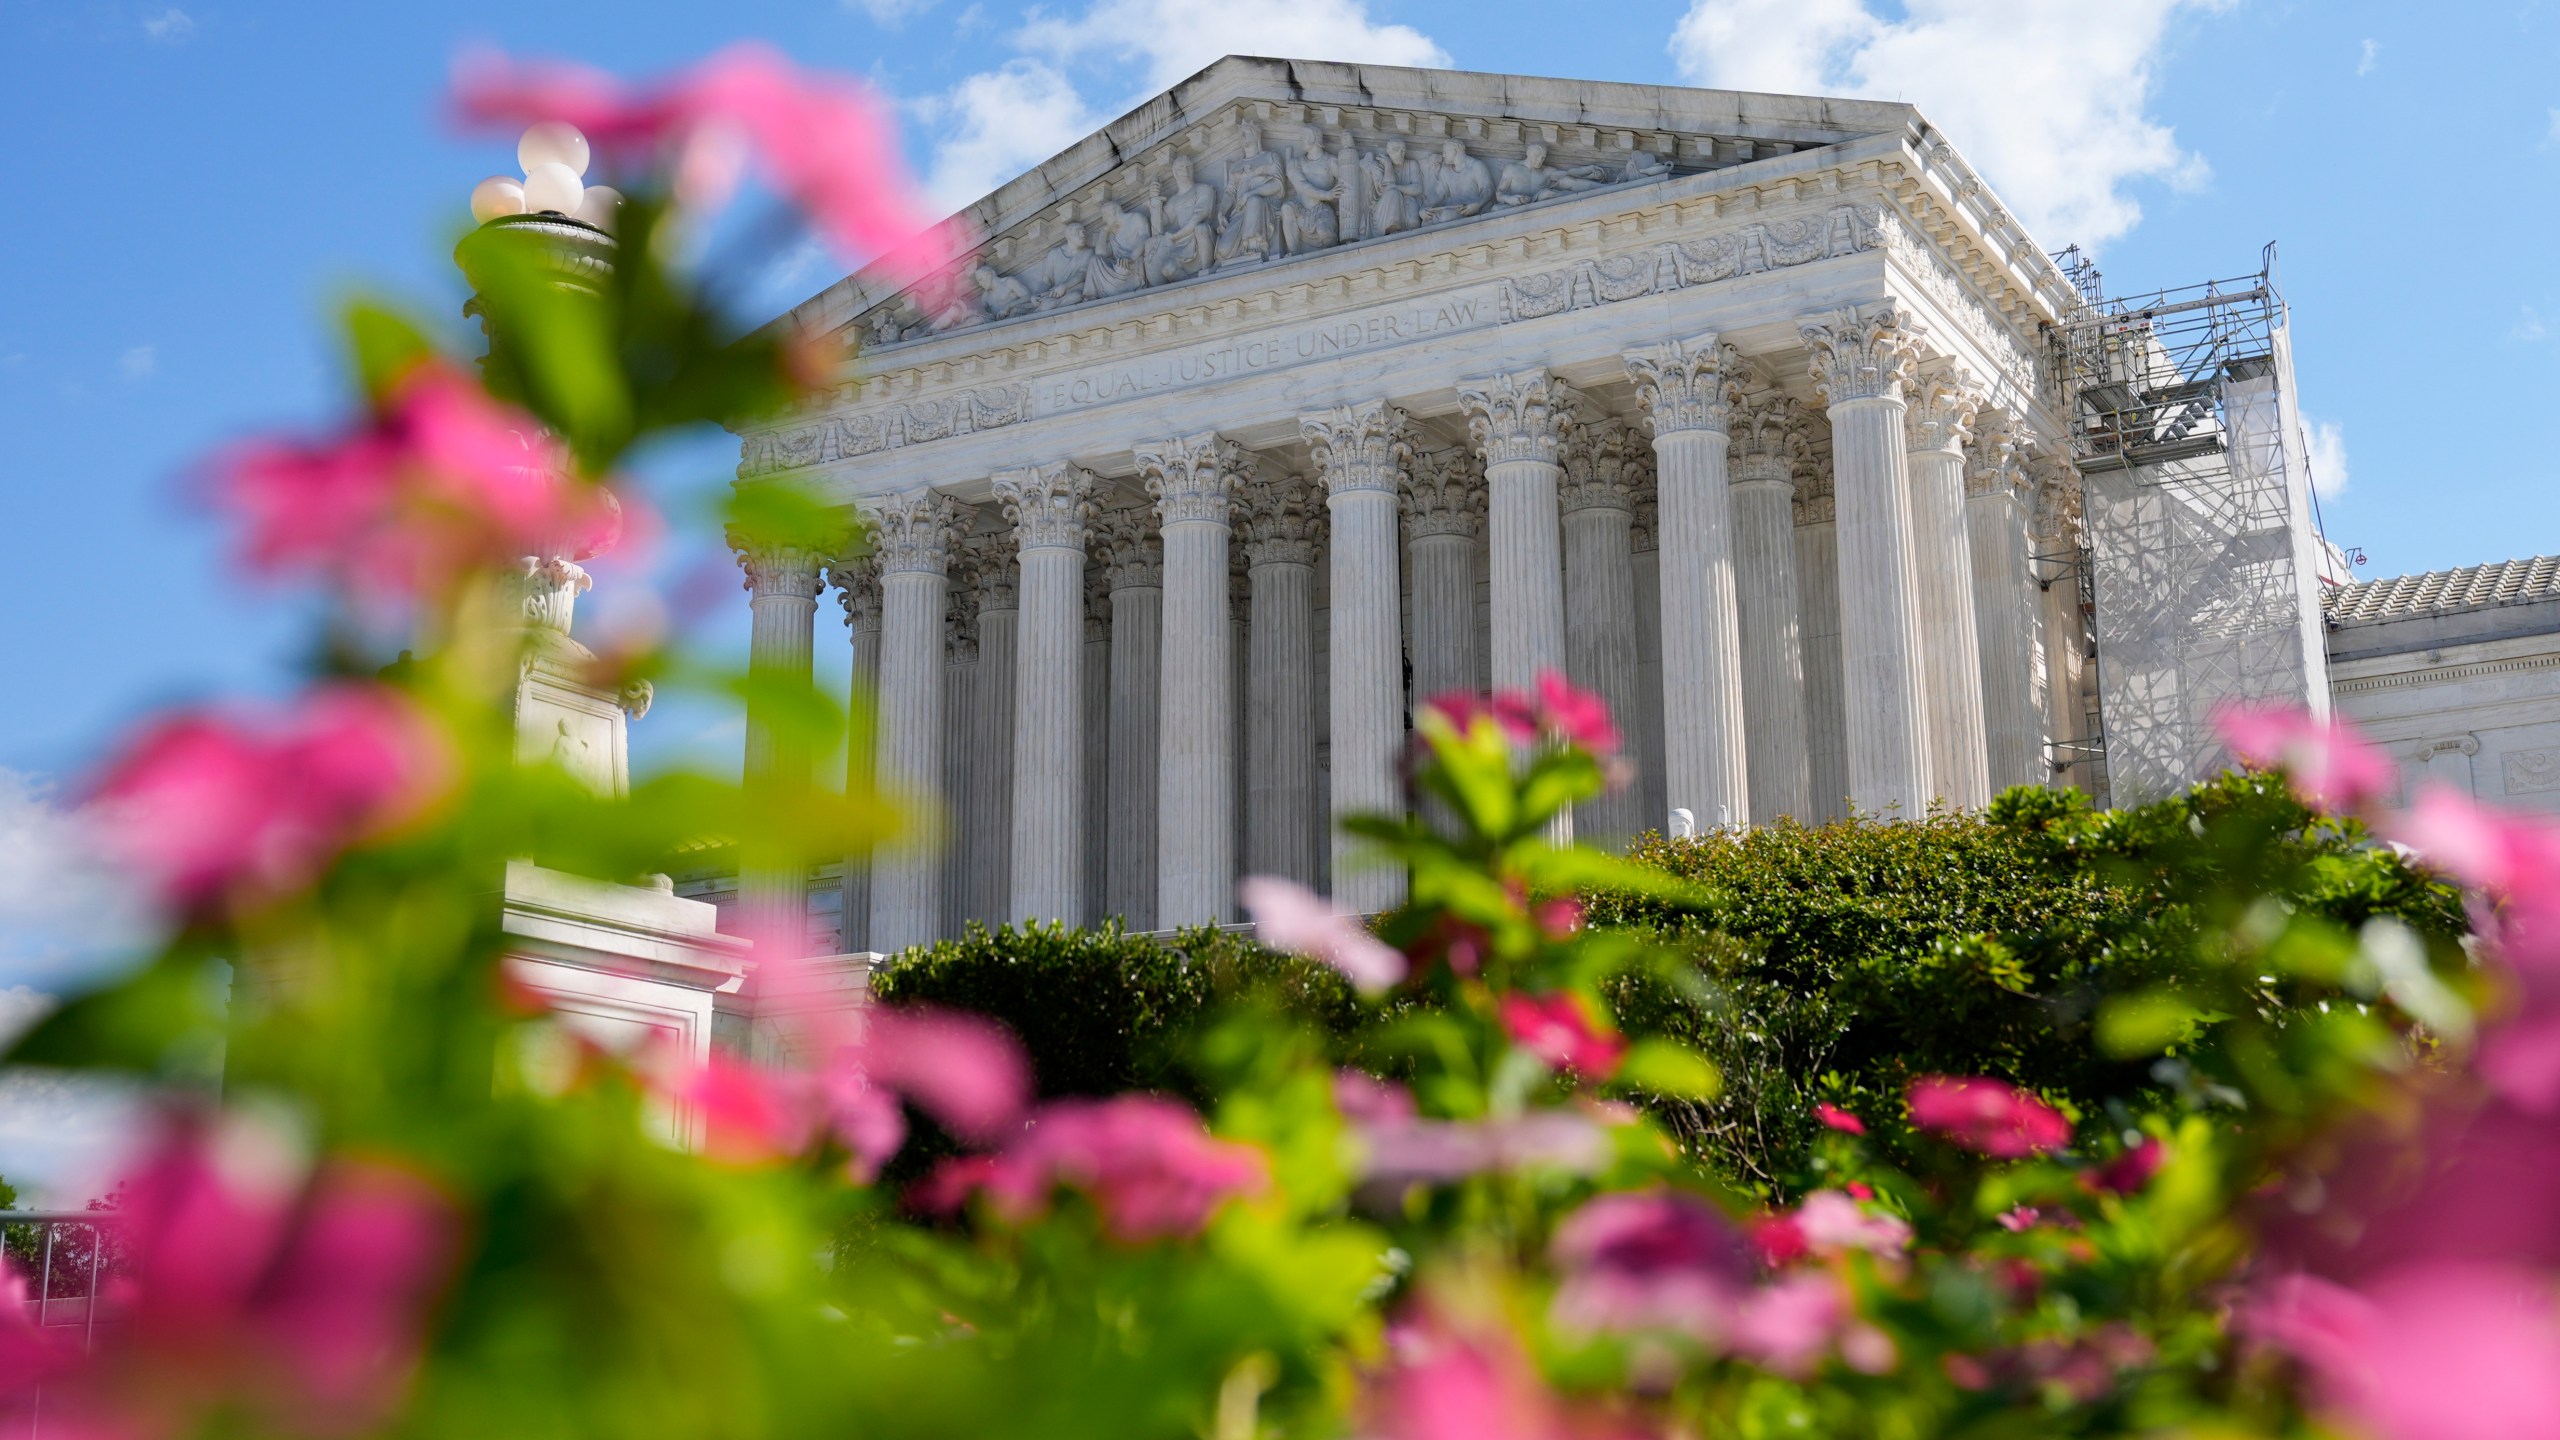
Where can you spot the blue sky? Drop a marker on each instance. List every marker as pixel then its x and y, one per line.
pixel 190 187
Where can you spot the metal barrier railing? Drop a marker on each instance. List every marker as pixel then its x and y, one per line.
pixel 58 1267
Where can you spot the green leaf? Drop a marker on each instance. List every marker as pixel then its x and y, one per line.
pixel 1656 1066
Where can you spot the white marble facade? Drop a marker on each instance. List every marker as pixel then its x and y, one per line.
pixel 1307 391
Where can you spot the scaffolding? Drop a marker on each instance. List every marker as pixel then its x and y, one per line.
pixel 2204 553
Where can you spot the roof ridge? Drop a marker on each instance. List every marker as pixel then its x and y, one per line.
pixel 2444 592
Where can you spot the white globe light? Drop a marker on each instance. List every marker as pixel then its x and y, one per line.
pixel 601 207
pixel 498 195
pixel 553 142
pixel 552 186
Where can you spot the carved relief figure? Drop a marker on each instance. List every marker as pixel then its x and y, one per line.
pixel 1000 296
pixel 1394 190
pixel 1310 219
pixel 1186 226
pixel 1643 165
pixel 1119 263
pixel 1456 184
pixel 1532 178
pixel 1057 278
pixel 1256 184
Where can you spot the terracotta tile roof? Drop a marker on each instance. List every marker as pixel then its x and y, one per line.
pixel 2444 592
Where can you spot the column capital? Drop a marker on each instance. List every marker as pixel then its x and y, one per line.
pixel 1133 547
pixel 1524 415
pixel 2058 499
pixel 1995 459
pixel 1644 533
pixel 991 560
pixel 1282 519
pixel 778 570
pixel 1597 474
pixel 1767 442
pixel 1047 505
pixel 913 533
pixel 1097 603
pixel 1192 477
pixel 1367 446
pixel 1815 504
pixel 1444 494
pixel 1944 398
pixel 1685 385
pixel 1863 353
pixel 857 582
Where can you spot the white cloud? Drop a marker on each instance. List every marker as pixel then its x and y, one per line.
pixel 2328 457
pixel 2371 57
pixel 139 362
pixel 170 27
pixel 996 124
pixel 2051 101
pixel 2528 326
pixel 63 904
pixel 1176 38
pixel 61 1133
pixel 889 13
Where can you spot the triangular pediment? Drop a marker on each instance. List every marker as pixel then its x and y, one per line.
pixel 1257 163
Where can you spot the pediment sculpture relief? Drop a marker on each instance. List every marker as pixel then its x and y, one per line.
pixel 1268 202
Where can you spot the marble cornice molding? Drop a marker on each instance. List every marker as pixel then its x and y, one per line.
pixel 1520 416
pixel 1047 505
pixel 1193 477
pixel 1688 385
pixel 913 532
pixel 1870 352
pixel 1940 401
pixel 1367 446
pixel 1282 521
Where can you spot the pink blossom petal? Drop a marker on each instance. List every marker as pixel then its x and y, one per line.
pixel 751 1115
pixel 1578 717
pixel 1987 1117
pixel 1832 1223
pixel 1559 1029
pixel 1150 1167
pixel 1288 916
pixel 346 1303
pixel 1787 1325
pixel 1650 1260
pixel 2433 1352
pixel 965 1070
pixel 2327 763
pixel 1839 1119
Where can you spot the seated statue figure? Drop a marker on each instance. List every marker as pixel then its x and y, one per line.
pixel 1000 297
pixel 1310 219
pixel 1057 278
pixel 1394 190
pixel 1255 185
pixel 1120 237
pixel 1457 184
pixel 1186 226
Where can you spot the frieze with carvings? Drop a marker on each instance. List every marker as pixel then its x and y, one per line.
pixel 1675 264
pixel 850 434
pixel 2016 363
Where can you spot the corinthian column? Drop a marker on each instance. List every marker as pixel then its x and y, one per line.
pixel 1048 506
pixel 2004 606
pixel 1361 454
pixel 989 833
pixel 1861 360
pixel 1943 401
pixel 960 761
pixel 1194 480
pixel 1818 593
pixel 1764 454
pixel 2059 541
pixel 1688 390
pixel 1443 514
pixel 782 585
pixel 913 534
pixel 1137 648
pixel 1518 422
pixel 1600 602
pixel 1280 531
pixel 1097 735
pixel 858 590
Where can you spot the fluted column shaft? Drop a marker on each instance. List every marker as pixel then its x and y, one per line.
pixel 1518 422
pixel 782 586
pixel 1194 481
pixel 2065 653
pixel 1096 760
pixel 1817 541
pixel 1861 360
pixel 1444 513
pixel 988 840
pixel 858 586
pixel 1688 390
pixel 1048 505
pixel 1600 629
pixel 1137 643
pixel 913 538
pixel 1935 428
pixel 1769 618
pixel 1281 724
pixel 2005 600
pixel 1361 456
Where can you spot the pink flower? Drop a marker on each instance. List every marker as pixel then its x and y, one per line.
pixel 1560 1030
pixel 824 142
pixel 966 1071
pixel 1834 1224
pixel 1365 1100
pixel 1778 1240
pixel 1578 717
pixel 2327 763
pixel 2435 1352
pixel 1432 1151
pixel 1289 916
pixel 751 1115
pixel 1476 1383
pixel 305 1300
pixel 1987 1117
pixel 1650 1260
pixel 2130 1172
pixel 2018 1219
pixel 1839 1119
pixel 210 808
pixel 1789 1324
pixel 1148 1165
pixel 1463 708
pixel 441 478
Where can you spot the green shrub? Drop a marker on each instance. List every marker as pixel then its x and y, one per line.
pixel 1104 1011
pixel 1845 959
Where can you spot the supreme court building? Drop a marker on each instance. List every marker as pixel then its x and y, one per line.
pixel 1305 392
